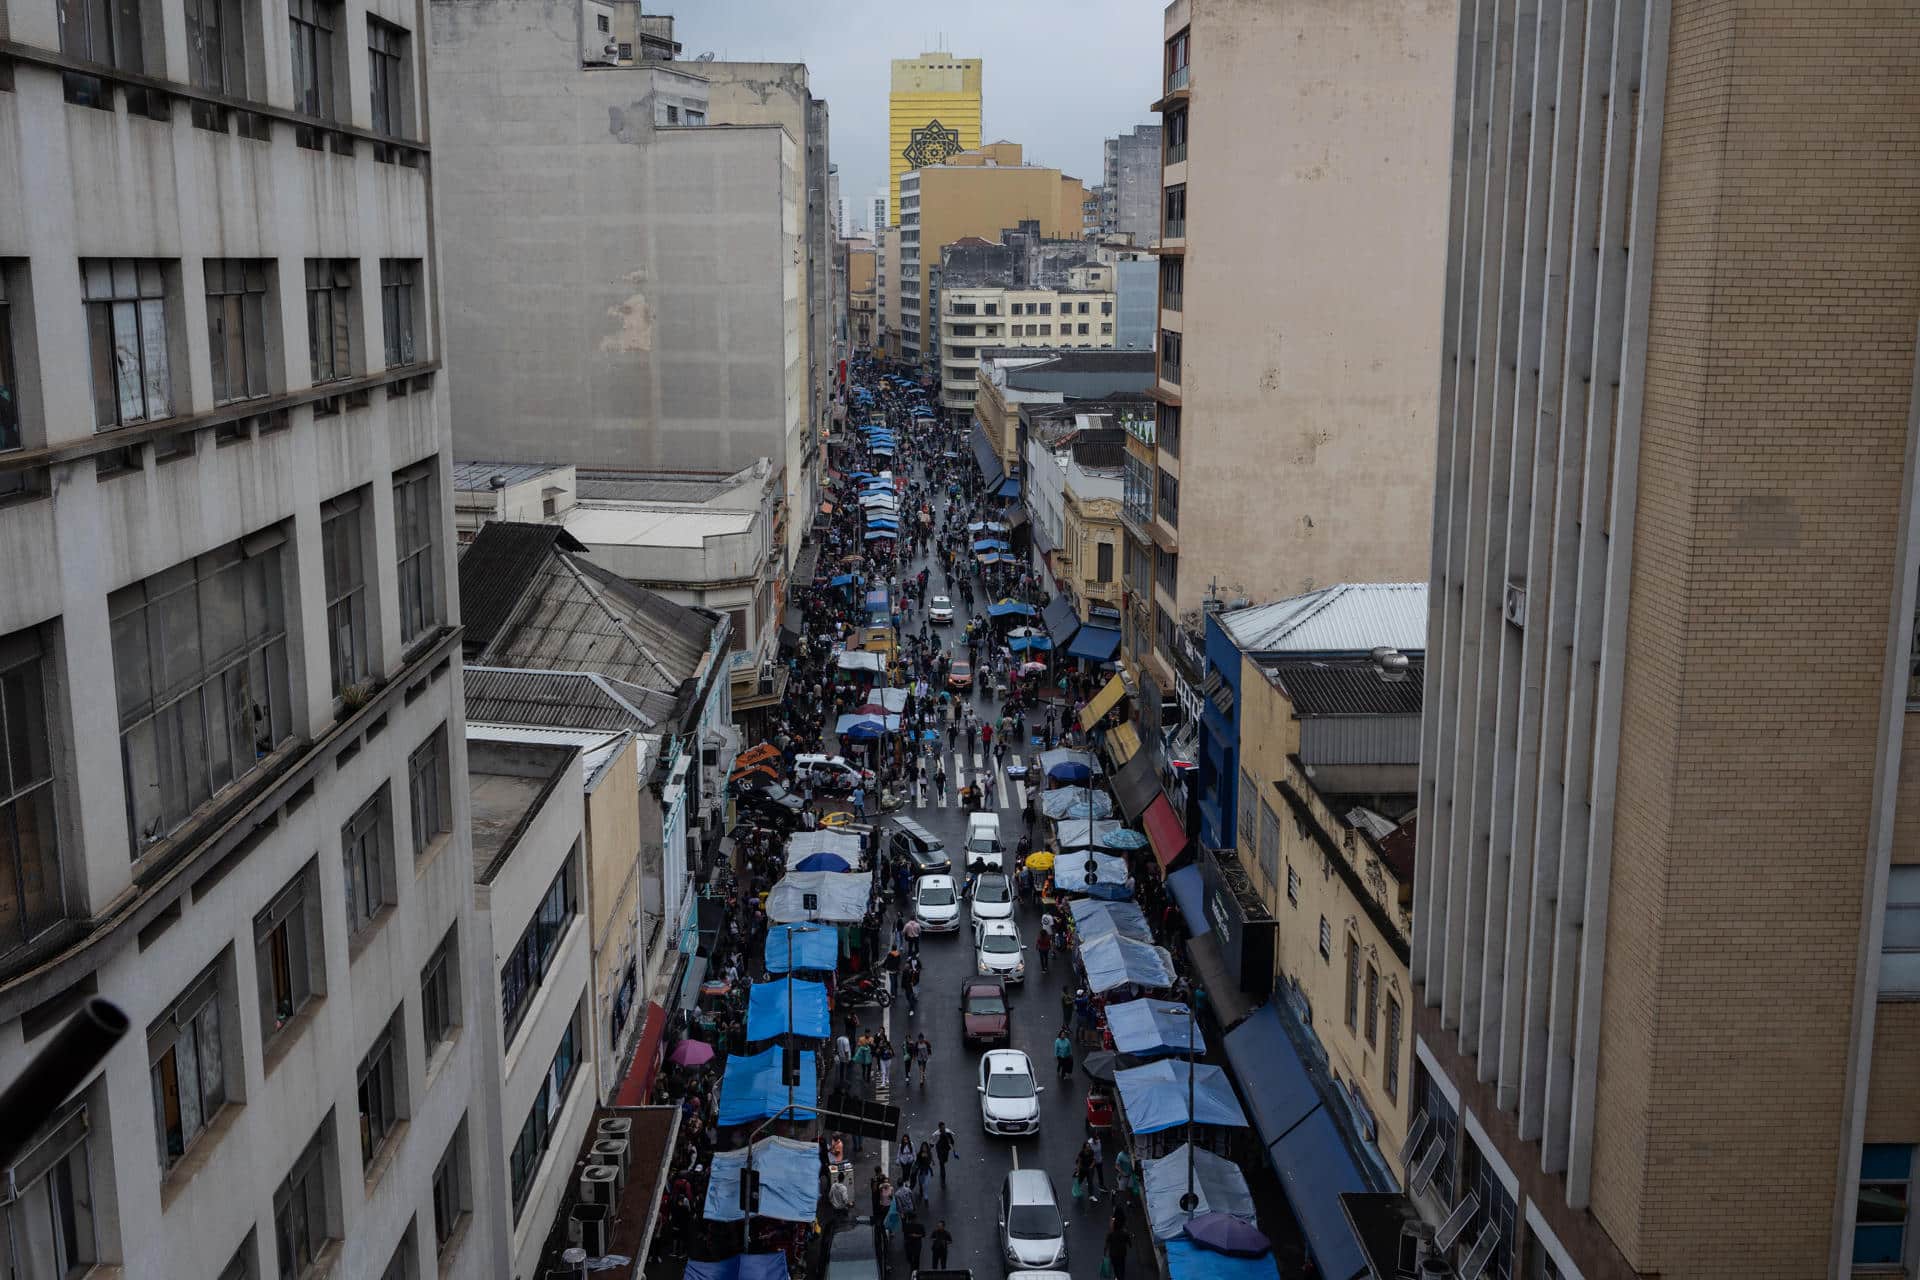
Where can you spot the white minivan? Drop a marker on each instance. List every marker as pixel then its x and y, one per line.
pixel 831 773
pixel 983 843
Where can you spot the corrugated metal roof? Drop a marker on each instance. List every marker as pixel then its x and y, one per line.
pixel 472 476
pixel 566 700
pixel 629 486
pixel 1352 617
pixel 1348 687
pixel 495 569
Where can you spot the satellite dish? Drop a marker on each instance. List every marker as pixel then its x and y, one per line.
pixel 705 57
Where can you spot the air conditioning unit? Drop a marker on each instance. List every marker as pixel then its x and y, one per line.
pixel 1514 608
pixel 612 1151
pixel 599 1184
pixel 615 1127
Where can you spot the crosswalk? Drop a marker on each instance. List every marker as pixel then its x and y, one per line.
pixel 964 766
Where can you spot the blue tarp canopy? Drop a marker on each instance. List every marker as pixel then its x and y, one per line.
pixel 1094 644
pixel 746 1266
pixel 1109 891
pixel 751 1090
pixel 1112 960
pixel 1155 1096
pixel 1070 870
pixel 993 557
pixel 1073 802
pixel 1096 919
pixel 1188 1261
pixel 994 544
pixel 1218 1182
pixel 1009 488
pixel 865 728
pixel 882 522
pixel 883 450
pixel 877 598
pixel 789 1179
pixel 1020 644
pixel 1008 608
pixel 814 946
pixel 1125 838
pixel 1150 1028
pixel 1190 891
pixel 879 534
pixel 844 580
pixel 1066 765
pixel 771 1005
pixel 823 862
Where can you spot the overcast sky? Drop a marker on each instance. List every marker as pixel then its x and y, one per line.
pixel 1059 75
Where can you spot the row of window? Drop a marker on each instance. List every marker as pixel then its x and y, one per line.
pixel 224 44
pixel 536 1131
pixel 1046 309
pixel 532 956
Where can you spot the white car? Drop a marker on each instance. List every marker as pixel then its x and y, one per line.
pixel 1009 1099
pixel 937 904
pixel 1033 1235
pixel 940 609
pixel 992 898
pixel 997 952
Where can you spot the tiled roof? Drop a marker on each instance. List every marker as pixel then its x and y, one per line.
pixel 1352 617
pixel 565 700
pixel 495 570
pixel 1348 687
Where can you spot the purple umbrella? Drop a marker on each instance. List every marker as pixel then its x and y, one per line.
pixel 1224 1233
pixel 691 1053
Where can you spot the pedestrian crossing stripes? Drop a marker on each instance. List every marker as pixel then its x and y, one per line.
pixel 962 767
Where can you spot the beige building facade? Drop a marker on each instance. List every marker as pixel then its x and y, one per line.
pixel 862 259
pixel 974 319
pixel 1669 854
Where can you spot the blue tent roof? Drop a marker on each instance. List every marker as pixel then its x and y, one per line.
pixel 1020 644
pixel 768 1008
pixel 1096 919
pixel 1094 644
pixel 1009 488
pixel 1008 608
pixel 1188 1261
pixel 1113 960
pixel 878 534
pixel 814 947
pixel 749 1266
pixel 1190 891
pixel 844 580
pixel 789 1181
pixel 823 862
pixel 1150 1028
pixel 993 544
pixel 751 1090
pixel 1109 891
pixel 1155 1096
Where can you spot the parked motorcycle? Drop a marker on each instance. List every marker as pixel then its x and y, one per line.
pixel 865 991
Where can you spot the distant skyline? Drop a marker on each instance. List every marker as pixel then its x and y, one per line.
pixel 1056 78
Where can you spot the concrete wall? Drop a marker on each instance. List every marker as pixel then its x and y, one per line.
pixel 1137 297
pixel 1134 183
pixel 657 311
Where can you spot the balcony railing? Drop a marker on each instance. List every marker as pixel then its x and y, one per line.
pixel 1177 78
pixel 1170 300
pixel 1174 229
pixel 1177 153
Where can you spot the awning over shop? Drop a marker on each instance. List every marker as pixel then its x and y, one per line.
pixel 690 980
pixel 1136 785
pixel 1076 802
pixel 1302 1137
pixel 1047 546
pixel 1155 1096
pixel 1102 702
pixel 774 1008
pixel 1122 741
pixel 1008 488
pixel 1164 832
pixel 986 458
pixel 637 1085
pixel 745 1266
pixel 1061 620
pixel 1094 644
pixel 1016 517
pixel 1190 891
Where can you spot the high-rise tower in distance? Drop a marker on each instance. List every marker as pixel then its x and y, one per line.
pixel 933 112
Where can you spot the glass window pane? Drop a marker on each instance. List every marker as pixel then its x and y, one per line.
pixel 158 383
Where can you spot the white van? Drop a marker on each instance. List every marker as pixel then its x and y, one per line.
pixel 983 843
pixel 830 773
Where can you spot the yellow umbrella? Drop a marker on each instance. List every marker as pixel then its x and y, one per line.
pixel 1041 861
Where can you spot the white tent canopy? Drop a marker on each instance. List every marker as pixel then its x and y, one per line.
pixel 840 897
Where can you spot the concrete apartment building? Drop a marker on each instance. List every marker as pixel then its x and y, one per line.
pixel 1006 294
pixel 229 642
pixel 1319 364
pixel 660 270
pixel 975 193
pixel 933 111
pixel 1130 185
pixel 862 282
pixel 1669 848
pixel 1071 482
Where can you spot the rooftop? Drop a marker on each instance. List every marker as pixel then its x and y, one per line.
pixel 632 486
pixel 598 747
pixel 506 784
pixel 1348 687
pixel 474 476
pixel 566 700
pixel 636 525
pixel 1351 617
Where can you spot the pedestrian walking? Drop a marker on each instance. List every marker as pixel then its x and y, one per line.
pixel 904 1157
pixel 911 931
pixel 1062 1055
pixel 842 1059
pixel 1082 1180
pixel 923 1169
pixel 942 1240
pixel 910 985
pixel 863 1057
pixel 943 1152
pixel 1119 1240
pixel 884 1056
pixel 912 1234
pixel 1044 945
pixel 1099 1160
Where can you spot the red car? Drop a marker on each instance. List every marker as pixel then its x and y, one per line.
pixel 983 1011
pixel 960 675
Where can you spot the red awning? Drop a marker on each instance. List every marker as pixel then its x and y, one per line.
pixel 638 1085
pixel 1164 831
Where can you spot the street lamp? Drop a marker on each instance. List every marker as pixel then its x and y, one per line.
pixel 1191 1200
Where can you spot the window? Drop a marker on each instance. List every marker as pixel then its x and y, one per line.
pixel 313 23
pixel 1390 1061
pixel 693 117
pixel 1106 330
pixel 217 55
pixel 1372 1025
pixel 537 1130
pixel 1885 1203
pixel 1166 569
pixel 1106 309
pixel 1496 1209
pixel 342 538
pixel 287 952
pixel 527 963
pixel 1173 283
pixel 9 378
pixel 240 1266
pixel 414 524
pixel 237 327
pixel 378 1094
pixel 673 115
pixel 1083 328
pixel 200 669
pixel 1176 136
pixel 188 1067
pixel 452 1197
pixel 1446 1128
pixel 363 843
pixel 1173 219
pixel 127 322
pixel 604 23
pixel 111 33
pixel 1103 562
pixel 400 1265
pixel 330 317
pixel 300 1224
pixel 1900 940
pixel 1169 356
pixel 30 883
pixel 1249 831
pixel 1046 308
pixel 440 992
pixel 46 1230
pixel 1177 62
pixel 399 308
pixel 1326 940
pixel 1353 983
pixel 1169 433
pixel 1293 885
pixel 1046 330
pixel 1169 499
pixel 1269 843
pixel 387 77
pixel 431 807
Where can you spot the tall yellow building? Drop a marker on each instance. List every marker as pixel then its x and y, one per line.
pixel 932 113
